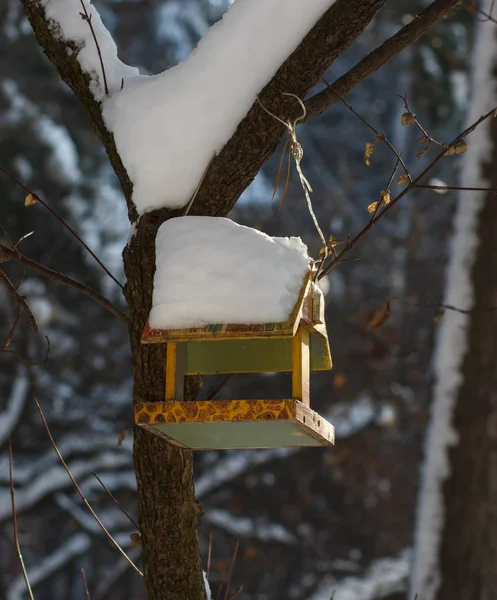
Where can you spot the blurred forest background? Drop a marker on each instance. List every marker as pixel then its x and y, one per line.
pixel 310 521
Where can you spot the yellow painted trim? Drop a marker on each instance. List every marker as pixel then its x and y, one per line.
pixel 301 366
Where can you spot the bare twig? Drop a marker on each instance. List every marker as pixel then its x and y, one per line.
pixel 86 17
pixel 443 306
pixel 352 243
pixel 85 585
pixel 194 195
pixel 379 56
pixel 455 187
pixel 63 223
pixel 221 386
pixel 78 489
pixel 238 591
pixel 66 280
pixel 380 137
pixel 12 330
pixel 14 521
pixel 20 299
pixel 232 565
pixel 209 553
pixel 220 589
pixel 414 120
pixel 116 502
pixel 29 362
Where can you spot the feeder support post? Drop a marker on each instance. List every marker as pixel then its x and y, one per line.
pixel 175 371
pixel 301 366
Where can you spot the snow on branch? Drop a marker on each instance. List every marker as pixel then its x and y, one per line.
pixel 169 126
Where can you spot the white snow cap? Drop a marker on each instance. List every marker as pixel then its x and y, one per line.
pixel 212 270
pixel 169 126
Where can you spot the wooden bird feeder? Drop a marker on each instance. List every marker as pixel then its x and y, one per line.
pixel 297 345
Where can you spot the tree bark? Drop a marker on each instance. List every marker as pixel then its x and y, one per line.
pixel 468 553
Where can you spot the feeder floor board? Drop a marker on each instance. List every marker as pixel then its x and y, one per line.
pixel 230 424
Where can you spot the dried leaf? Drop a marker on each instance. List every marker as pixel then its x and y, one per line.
pixel 385 196
pixel 339 380
pixel 420 154
pixel 136 540
pixel 4 257
pixel 438 318
pixel 402 180
pixel 459 147
pixel 368 153
pixel 122 436
pixel 407 119
pixel 372 207
pixel 423 140
pixel 379 318
pixel 30 200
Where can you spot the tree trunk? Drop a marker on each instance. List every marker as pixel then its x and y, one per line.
pixel 456 541
pixel 168 511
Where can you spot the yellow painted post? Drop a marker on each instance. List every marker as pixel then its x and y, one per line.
pixel 171 349
pixel 301 366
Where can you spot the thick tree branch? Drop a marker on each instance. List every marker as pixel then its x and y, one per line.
pixel 66 280
pixel 380 56
pixel 257 136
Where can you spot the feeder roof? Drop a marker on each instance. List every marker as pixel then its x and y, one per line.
pixel 212 272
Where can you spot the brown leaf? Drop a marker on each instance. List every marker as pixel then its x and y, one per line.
pixel 136 540
pixel 459 147
pixel 420 154
pixel 438 318
pixel 122 436
pixel 407 119
pixel 402 180
pixel 385 196
pixel 339 380
pixel 379 318
pixel 372 207
pixel 30 200
pixel 368 153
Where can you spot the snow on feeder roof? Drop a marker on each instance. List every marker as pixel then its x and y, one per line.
pixel 212 270
pixel 230 299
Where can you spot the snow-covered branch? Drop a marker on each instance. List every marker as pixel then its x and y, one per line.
pixel 296 43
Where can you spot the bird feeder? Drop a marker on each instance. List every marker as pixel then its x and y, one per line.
pixel 297 345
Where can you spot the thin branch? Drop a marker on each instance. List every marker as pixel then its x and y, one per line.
pixel 232 565
pixel 87 591
pixel 29 362
pixel 352 243
pixel 114 499
pixel 86 17
pixel 66 280
pixel 209 553
pixel 381 55
pixel 455 187
pixel 14 521
pixel 37 198
pixel 381 137
pixel 238 591
pixel 13 290
pixel 451 307
pixel 12 330
pixel 83 497
pixel 221 386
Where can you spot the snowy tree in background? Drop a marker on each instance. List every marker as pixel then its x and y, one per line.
pixel 160 134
